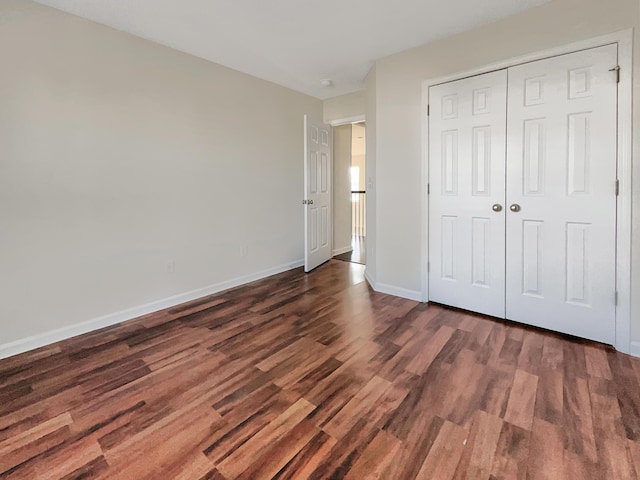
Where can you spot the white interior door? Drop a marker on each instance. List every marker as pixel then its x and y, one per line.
pixel 561 174
pixel 467 129
pixel 317 194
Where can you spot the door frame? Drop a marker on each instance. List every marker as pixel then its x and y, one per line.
pixel 624 40
pixel 338 123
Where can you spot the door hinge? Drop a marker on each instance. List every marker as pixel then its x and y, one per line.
pixel 617 70
pixel 617 187
pixel 616 298
pixel 428 110
pixel 428 267
pixel 428 189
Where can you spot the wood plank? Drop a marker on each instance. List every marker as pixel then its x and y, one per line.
pixel 531 352
pixel 308 459
pixel 546 452
pixel 420 362
pixel 512 453
pixel 522 400
pixel 550 401
pixel 552 353
pixel 614 455
pixel 443 458
pixel 576 466
pixel 376 458
pixel 280 452
pixel 579 435
pixel 597 362
pixel 478 455
pixel 364 400
pixel 234 464
pixel 29 436
pixel 634 453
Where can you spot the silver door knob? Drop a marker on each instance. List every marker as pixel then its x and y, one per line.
pixel 496 207
pixel 515 207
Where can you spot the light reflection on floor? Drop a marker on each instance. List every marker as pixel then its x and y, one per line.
pixel 358 254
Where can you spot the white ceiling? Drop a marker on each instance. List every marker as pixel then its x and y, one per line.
pixel 295 43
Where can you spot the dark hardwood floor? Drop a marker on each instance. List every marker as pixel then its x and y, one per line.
pixel 359 252
pixel 317 377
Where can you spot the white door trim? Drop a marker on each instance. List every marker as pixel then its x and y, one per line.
pixel 347 120
pixel 624 39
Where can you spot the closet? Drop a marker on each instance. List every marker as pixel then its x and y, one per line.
pixel 522 203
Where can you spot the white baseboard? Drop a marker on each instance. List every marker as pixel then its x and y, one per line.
pixel 392 289
pixel 369 278
pixel 635 349
pixel 53 336
pixel 399 292
pixel 340 251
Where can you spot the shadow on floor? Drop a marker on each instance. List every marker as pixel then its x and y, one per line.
pixel 358 254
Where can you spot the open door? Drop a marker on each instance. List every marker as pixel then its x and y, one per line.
pixel 318 222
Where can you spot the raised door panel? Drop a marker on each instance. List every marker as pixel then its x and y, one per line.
pixel 533 160
pixel 578 161
pixel 578 251
pixel 450 162
pixel 481 161
pixel 324 226
pixel 313 226
pixel 532 258
pixel 313 173
pixel 449 248
pixel 481 252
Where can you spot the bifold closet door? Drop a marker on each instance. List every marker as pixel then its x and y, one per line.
pixel 561 193
pixel 467 193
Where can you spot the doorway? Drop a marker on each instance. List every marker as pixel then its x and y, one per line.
pixel 350 196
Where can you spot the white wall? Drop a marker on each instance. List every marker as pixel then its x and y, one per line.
pixel 341 189
pixel 397 90
pixel 118 157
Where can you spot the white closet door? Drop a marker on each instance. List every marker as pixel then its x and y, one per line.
pixel 467 178
pixel 561 173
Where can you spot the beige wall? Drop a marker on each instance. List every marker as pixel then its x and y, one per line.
pixel 341 189
pixel 396 96
pixel 344 108
pixel 120 158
